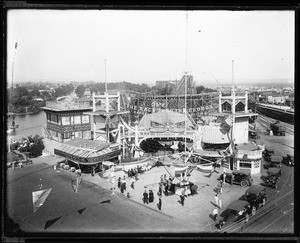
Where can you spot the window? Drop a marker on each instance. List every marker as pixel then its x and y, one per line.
pixel 85 118
pixel 65 120
pixel 77 120
pixel 245 164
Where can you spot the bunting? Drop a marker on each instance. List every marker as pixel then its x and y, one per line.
pixel 39 197
pixel 51 222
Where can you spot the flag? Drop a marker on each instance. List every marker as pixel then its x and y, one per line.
pixel 229 121
pixel 16 45
pixel 81 210
pixel 51 222
pixel 106 201
pixel 39 197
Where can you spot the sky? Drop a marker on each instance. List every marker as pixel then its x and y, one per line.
pixel 145 46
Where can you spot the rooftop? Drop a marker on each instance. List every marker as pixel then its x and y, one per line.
pixel 88 144
pixel 65 106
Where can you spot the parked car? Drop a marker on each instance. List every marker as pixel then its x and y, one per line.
pixel 252 134
pixel 256 195
pixel 240 177
pixel 273 171
pixel 288 160
pixel 273 178
pixel 275 161
pixel 267 153
pixel 236 211
pixel 277 128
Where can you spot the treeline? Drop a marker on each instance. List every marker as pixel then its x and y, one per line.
pixel 142 88
pixel 100 87
pixel 25 96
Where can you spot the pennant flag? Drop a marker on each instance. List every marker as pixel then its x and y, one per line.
pixel 107 201
pixel 51 222
pixel 39 197
pixel 81 210
pixel 229 121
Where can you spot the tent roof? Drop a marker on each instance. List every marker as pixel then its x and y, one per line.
pixel 165 117
pixel 214 135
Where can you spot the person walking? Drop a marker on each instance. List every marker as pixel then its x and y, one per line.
pixel 159 203
pixel 124 184
pixel 151 196
pixel 132 182
pixel 145 197
pixel 216 200
pixel 220 204
pixel 232 179
pixel 119 182
pixel 224 177
pixel 182 195
pixel 215 213
pixel 166 189
pixel 221 187
pixel 160 189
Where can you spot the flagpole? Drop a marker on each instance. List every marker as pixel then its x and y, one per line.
pixel 185 87
pixel 13 64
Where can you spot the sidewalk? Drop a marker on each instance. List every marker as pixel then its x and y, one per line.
pixel 197 207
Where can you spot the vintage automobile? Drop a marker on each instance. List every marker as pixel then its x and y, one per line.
pixel 288 160
pixel 252 134
pixel 256 195
pixel 267 153
pixel 240 177
pixel 275 161
pixel 273 178
pixel 236 211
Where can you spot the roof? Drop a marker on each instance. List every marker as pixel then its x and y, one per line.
pixel 245 172
pixel 88 144
pixel 275 158
pixel 82 152
pixel 237 114
pixel 273 170
pixel 215 135
pixel 65 106
pixel 237 205
pixel 104 113
pixel 255 189
pixel 247 146
pixel 165 117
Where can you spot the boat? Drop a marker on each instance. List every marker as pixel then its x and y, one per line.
pixel 205 168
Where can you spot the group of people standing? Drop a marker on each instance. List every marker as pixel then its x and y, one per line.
pixel 149 198
pixel 218 201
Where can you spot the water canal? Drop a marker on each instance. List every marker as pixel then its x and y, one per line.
pixel 28 125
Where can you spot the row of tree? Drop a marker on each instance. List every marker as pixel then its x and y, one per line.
pixel 21 98
pixel 142 88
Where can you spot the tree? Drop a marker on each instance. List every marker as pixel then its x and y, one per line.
pixel 33 145
pixel 80 90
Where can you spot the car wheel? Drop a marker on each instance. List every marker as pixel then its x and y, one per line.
pixel 244 183
pixel 253 211
pixel 264 202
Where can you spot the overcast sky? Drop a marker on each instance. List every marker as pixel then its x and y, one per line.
pixel 146 46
